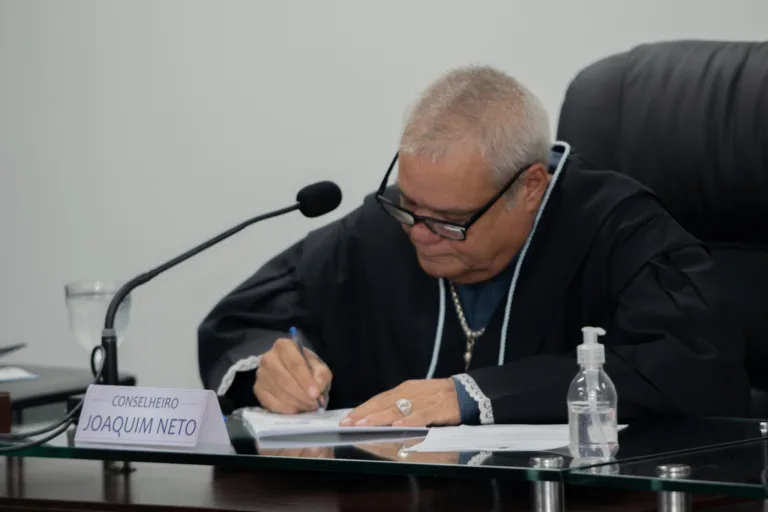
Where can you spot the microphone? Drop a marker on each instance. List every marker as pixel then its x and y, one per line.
pixel 319 198
pixel 312 201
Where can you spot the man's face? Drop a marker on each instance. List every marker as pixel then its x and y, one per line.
pixel 453 188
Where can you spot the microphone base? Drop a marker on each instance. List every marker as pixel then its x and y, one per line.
pixel 109 374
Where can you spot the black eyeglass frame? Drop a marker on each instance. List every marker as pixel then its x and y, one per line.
pixel 460 228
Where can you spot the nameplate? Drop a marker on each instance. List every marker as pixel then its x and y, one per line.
pixel 153 417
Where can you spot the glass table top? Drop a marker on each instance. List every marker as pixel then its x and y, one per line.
pixel 735 470
pixel 641 441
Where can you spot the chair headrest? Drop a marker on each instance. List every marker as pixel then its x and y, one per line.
pixel 689 119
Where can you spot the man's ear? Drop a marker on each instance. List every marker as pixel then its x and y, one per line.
pixel 536 179
pixel 535 185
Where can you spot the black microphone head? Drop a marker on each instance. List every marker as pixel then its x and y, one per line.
pixel 319 198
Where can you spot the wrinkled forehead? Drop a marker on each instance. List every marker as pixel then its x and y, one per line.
pixel 457 180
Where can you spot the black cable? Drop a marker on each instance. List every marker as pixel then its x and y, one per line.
pixel 41 431
pixel 4 450
pixel 55 429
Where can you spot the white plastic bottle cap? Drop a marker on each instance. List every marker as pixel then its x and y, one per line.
pixel 591 351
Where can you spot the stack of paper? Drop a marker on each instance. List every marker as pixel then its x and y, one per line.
pixel 495 438
pixel 321 428
pixel 318 428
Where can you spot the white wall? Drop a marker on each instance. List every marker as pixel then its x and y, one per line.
pixel 130 131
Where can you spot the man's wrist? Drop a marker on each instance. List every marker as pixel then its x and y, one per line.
pixel 469 411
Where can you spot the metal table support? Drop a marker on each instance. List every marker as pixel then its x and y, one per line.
pixel 548 496
pixel 674 501
pixel 764 432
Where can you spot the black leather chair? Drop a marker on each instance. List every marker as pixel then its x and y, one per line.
pixel 689 119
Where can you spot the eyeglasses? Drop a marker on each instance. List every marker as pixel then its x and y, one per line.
pixel 440 227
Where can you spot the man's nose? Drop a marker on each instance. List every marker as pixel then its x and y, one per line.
pixel 423 235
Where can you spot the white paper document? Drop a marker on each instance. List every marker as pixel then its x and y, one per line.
pixel 499 438
pixel 264 424
pixel 12 373
pixel 335 439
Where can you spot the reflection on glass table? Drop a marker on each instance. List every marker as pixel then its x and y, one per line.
pixel 726 456
pixel 399 452
pixel 737 470
pixel 641 440
pixel 357 457
pixel 384 451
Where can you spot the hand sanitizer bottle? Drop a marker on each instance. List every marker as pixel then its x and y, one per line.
pixel 592 403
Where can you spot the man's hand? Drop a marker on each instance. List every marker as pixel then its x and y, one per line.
pixel 285 385
pixel 434 403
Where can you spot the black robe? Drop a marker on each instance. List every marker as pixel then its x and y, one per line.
pixel 606 253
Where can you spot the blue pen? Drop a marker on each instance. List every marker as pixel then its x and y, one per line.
pixel 295 335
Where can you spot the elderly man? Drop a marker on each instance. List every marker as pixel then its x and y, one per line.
pixel 461 291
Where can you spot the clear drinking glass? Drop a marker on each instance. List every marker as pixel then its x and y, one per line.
pixel 87 303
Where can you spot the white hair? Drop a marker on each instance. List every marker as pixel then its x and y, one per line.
pixel 482 106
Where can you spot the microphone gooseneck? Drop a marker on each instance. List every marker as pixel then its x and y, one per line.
pixel 313 201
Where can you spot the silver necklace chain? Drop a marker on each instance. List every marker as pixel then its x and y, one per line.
pixel 469 333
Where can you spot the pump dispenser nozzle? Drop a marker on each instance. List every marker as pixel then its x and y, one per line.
pixel 591 351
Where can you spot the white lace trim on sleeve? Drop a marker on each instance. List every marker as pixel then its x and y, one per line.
pixel 483 402
pixel 243 365
pixel 479 459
